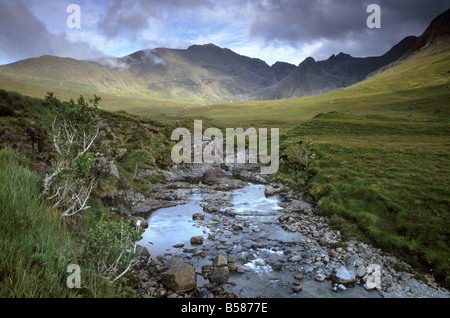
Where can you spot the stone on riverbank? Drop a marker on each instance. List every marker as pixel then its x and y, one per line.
pixel 197 240
pixel 343 276
pixel 179 277
pixel 220 272
pixel 210 177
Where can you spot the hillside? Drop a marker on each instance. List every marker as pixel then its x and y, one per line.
pixel 416 88
pixel 343 70
pixel 339 71
pixel 198 74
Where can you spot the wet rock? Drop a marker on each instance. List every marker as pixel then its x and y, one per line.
pixel 274 189
pixel 284 218
pixel 147 205
pixel 198 216
pixel 277 267
pixel 211 176
pixel 229 212
pixel 220 272
pixel 220 261
pixel 344 276
pixel 179 194
pixel 210 209
pixel 295 258
pixel 197 240
pixel 179 277
pixel 320 277
pixel 297 289
pixel 237 227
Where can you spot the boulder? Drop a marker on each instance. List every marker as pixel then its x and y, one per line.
pixel 107 168
pixel 274 189
pixel 127 198
pixel 220 271
pixel 197 239
pixel 139 222
pixel 220 261
pixel 179 277
pixel 295 258
pixel 343 276
pixel 211 176
pixel 373 279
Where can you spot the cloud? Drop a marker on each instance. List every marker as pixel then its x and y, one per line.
pixel 341 24
pixel 320 27
pixel 23 35
pixel 125 17
pixel 273 30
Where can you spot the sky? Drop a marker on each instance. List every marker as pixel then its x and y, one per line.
pixel 271 30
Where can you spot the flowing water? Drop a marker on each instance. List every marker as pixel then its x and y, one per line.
pixel 256 246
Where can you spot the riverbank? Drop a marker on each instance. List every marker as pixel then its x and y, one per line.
pixel 287 250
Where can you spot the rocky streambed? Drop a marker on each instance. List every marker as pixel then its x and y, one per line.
pixel 217 233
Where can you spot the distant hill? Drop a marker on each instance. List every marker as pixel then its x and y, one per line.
pixel 199 73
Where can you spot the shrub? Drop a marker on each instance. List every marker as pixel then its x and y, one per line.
pixel 74 130
pixel 111 247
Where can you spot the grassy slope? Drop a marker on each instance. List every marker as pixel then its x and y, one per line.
pixel 36 243
pixel 138 106
pixel 384 181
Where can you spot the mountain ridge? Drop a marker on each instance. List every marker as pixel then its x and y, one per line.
pixel 208 73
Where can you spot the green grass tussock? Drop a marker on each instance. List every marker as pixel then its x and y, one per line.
pixel 36 247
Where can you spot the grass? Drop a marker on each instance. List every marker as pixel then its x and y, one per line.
pixel 36 248
pixel 381 165
pixel 36 243
pixel 384 181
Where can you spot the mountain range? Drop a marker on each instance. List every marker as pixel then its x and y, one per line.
pixel 208 73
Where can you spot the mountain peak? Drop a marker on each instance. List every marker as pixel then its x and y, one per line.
pixel 340 56
pixel 204 46
pixel 307 61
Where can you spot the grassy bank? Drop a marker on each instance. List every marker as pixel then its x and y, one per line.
pixel 37 244
pixel 36 247
pixel 386 181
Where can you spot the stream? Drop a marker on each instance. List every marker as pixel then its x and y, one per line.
pixel 244 226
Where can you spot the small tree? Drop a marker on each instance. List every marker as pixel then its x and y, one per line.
pixel 111 247
pixel 74 130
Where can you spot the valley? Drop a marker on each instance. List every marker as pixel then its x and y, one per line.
pixel 364 143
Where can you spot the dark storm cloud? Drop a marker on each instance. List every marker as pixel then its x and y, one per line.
pixel 341 24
